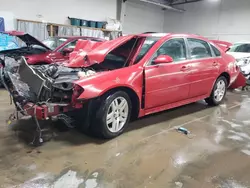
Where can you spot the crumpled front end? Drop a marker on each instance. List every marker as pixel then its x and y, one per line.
pixel 44 91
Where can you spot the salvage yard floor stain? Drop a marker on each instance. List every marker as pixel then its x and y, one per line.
pixel 151 153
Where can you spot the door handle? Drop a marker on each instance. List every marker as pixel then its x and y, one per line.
pixel 215 64
pixel 185 68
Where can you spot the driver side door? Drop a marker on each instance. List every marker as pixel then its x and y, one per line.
pixel 168 83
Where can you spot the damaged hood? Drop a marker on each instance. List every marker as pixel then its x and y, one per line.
pixel 97 53
pixel 26 38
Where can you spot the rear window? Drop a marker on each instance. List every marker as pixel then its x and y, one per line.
pixel 216 51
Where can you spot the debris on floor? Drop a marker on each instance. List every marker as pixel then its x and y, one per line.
pixel 179 184
pixel 183 130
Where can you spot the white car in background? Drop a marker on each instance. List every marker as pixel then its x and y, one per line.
pixel 241 52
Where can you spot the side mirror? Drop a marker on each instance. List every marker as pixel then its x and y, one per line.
pixel 161 59
pixel 67 50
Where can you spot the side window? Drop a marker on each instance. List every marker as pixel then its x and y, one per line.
pixel 175 48
pixel 72 44
pixel 199 49
pixel 216 51
pixel 243 48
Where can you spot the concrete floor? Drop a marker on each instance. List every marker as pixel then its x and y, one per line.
pixel 150 154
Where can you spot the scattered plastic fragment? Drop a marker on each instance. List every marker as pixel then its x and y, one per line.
pixel 179 184
pixel 186 132
pixel 183 130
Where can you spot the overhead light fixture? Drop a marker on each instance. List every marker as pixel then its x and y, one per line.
pixel 163 5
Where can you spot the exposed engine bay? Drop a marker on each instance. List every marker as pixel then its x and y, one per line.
pixel 50 83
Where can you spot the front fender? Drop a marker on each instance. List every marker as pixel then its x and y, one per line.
pixel 100 83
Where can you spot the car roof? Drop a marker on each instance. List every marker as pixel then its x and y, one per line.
pixel 156 34
pixel 79 37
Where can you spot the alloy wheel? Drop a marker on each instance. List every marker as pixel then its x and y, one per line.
pixel 117 114
pixel 220 90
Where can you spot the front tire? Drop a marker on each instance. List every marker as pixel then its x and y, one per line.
pixel 113 115
pixel 218 93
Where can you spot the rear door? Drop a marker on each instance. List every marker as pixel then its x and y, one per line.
pixel 168 83
pixel 205 67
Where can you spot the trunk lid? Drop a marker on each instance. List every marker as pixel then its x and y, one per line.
pixel 225 46
pixel 26 38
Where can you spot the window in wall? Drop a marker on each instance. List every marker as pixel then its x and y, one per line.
pixel 199 48
pixel 216 51
pixel 175 48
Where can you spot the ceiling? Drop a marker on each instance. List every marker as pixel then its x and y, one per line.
pixel 169 4
pixel 175 2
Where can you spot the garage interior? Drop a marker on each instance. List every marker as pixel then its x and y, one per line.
pixel 151 153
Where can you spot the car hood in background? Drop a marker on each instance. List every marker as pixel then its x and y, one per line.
pixel 239 55
pixel 26 38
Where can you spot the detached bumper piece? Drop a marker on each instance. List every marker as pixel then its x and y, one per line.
pixel 240 81
pixel 31 92
pixel 45 111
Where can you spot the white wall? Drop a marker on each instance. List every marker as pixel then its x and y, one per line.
pixel 215 19
pixel 57 11
pixel 142 17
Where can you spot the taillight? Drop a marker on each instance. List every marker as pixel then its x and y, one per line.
pixel 237 67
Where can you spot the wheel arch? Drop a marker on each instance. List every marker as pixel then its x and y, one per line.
pixel 227 76
pixel 133 97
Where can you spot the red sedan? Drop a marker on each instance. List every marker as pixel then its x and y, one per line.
pixel 137 75
pixel 53 49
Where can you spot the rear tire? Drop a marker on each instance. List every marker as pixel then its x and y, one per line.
pixel 218 93
pixel 113 115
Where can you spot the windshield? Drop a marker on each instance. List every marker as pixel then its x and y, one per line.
pixel 8 42
pixel 147 44
pixel 240 47
pixel 54 42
